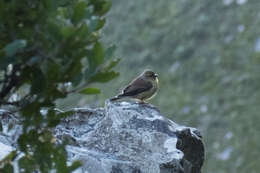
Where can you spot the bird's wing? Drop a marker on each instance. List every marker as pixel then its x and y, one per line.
pixel 137 86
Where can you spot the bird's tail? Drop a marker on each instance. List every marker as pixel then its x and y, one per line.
pixel 116 97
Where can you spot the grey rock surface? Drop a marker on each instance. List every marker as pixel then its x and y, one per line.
pixel 127 138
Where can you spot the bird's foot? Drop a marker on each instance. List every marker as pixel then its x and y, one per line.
pixel 146 104
pixel 142 102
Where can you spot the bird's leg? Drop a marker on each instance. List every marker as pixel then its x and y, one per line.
pixel 146 104
pixel 142 102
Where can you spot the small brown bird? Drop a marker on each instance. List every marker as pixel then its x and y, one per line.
pixel 143 87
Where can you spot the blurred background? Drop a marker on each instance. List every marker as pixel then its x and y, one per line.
pixel 207 55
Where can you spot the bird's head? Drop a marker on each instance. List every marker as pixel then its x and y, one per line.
pixel 149 74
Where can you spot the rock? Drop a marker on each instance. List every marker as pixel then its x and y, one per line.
pixel 129 138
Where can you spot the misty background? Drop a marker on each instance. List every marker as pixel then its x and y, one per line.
pixel 207 55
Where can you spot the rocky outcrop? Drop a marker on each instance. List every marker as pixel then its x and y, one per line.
pixel 128 138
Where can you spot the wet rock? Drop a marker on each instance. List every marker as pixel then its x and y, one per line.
pixel 129 138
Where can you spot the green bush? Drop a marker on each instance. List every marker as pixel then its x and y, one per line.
pixel 49 49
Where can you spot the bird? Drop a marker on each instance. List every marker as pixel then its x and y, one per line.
pixel 143 87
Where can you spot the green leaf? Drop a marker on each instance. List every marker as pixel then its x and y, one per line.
pixel 75 165
pixel 104 76
pixel 10 157
pixel 96 56
pixel 105 8
pixel 98 53
pixel 101 7
pixel 8 168
pixel 67 31
pixel 54 117
pixel 112 64
pixel 100 24
pixel 12 48
pixel 79 12
pixel 88 91
pixel 82 31
pixel 27 163
pixel 96 24
pixel 54 29
pixel 53 71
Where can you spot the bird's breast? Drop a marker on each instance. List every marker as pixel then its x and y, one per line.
pixel 150 93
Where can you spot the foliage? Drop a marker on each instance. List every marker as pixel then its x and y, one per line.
pixel 207 56
pixel 49 49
